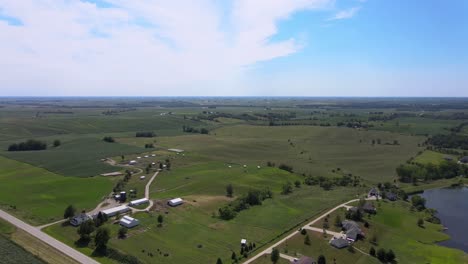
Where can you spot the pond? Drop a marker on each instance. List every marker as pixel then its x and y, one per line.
pixel 452 207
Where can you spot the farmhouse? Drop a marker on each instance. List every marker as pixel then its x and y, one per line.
pixel 175 202
pixel 79 219
pixel 464 160
pixel 128 221
pixel 116 210
pixel 304 260
pixel 373 192
pixel 138 202
pixel 339 242
pixel 353 231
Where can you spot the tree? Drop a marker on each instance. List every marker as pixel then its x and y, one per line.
pixel 234 256
pixel 297 184
pixel 420 222
pixel 85 230
pixel 372 251
pixel 101 238
pixel 338 221
pixel 160 220
pixel 123 157
pixel 390 256
pixel 303 231
pixel 57 143
pixel 122 232
pixel 275 255
pixel 219 261
pixel 321 260
pixel 418 202
pixel 381 254
pixel 109 139
pixel 69 212
pixel 229 190
pixel 373 239
pixel 287 188
pixel 307 240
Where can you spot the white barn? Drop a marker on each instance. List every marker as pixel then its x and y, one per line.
pixel 116 210
pixel 129 222
pixel 175 202
pixel 138 202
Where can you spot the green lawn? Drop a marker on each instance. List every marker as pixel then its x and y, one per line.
pixel 429 156
pixel 41 196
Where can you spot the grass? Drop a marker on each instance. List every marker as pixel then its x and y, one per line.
pixel 417 125
pixel 429 156
pixel 310 150
pixel 41 196
pixel 266 259
pixel 204 193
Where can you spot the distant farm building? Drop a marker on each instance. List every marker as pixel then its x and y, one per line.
pixel 138 202
pixel 142 177
pixel 116 210
pixel 243 242
pixel 79 219
pixel 146 156
pixel 369 208
pixel 132 162
pixel 128 221
pixel 339 242
pixel 153 155
pixel 176 150
pixel 464 160
pixel 304 260
pixel 175 202
pixel 391 196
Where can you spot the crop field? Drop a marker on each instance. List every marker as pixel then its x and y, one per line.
pixel 39 196
pixel 433 157
pixel 417 125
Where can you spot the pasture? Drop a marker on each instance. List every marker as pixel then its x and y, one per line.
pixel 39 196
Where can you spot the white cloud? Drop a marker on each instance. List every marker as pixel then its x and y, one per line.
pixel 345 14
pixel 141 47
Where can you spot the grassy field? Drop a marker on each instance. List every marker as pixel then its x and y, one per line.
pixel 417 125
pixel 310 150
pixel 203 189
pixel 395 227
pixel 40 196
pixel 429 156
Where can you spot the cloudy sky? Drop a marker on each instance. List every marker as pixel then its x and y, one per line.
pixel 238 47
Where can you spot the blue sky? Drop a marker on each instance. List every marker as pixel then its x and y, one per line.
pixel 241 47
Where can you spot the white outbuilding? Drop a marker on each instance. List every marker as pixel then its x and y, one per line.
pixel 153 155
pixel 128 221
pixel 116 210
pixel 175 202
pixel 146 156
pixel 138 157
pixel 132 162
pixel 142 177
pixel 138 202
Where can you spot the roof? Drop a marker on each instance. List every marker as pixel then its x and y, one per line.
pixel 368 207
pixel 464 159
pixel 142 200
pixel 339 242
pixel 348 224
pixel 176 150
pixel 176 200
pixel 128 220
pixel 115 209
pixel 373 191
pixel 304 260
pixel 353 233
pixel 243 241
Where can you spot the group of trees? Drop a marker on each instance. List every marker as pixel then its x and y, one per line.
pixel 327 183
pixel 449 141
pixel 252 198
pixel 418 202
pixel 149 145
pixel 285 167
pixel 30 144
pixel 149 134
pixel 383 255
pixel 444 170
pixel 189 129
pixel 108 139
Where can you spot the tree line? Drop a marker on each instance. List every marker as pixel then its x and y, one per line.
pixel 449 141
pixel 252 198
pixel 30 144
pixel 411 173
pixel 189 129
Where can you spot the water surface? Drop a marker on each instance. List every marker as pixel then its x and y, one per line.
pixel 452 207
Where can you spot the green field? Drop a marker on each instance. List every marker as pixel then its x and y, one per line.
pixel 40 196
pixel 433 157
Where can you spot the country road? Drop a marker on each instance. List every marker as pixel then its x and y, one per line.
pixel 34 231
pixel 307 226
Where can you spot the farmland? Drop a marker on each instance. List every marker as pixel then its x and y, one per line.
pixel 245 145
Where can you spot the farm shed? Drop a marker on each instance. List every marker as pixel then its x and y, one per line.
pixel 128 221
pixel 79 219
pixel 175 202
pixel 138 202
pixel 116 210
